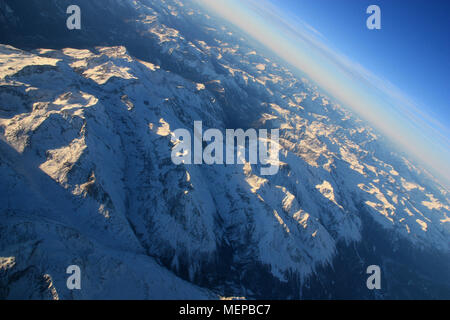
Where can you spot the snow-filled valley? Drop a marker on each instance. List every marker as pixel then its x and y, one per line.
pixel 87 178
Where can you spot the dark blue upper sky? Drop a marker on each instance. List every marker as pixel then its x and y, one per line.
pixel 411 50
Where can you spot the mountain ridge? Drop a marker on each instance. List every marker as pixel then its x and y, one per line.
pixel 95 124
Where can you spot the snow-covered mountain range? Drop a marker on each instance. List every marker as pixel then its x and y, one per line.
pixel 86 174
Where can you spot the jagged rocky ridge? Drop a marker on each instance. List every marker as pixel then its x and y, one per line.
pixel 87 179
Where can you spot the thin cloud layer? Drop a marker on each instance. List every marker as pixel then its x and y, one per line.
pixel 389 109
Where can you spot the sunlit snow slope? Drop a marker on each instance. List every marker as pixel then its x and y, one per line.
pixel 87 178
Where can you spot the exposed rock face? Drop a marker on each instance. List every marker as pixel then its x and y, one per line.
pixel 87 178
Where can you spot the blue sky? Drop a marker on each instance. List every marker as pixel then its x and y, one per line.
pixel 412 49
pixel 398 77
